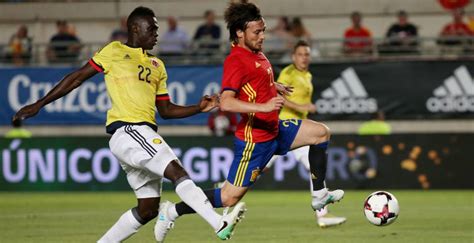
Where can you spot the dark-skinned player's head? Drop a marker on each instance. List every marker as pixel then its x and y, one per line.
pixel 246 25
pixel 142 28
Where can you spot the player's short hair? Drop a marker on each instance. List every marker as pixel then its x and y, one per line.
pixel 138 13
pixel 300 43
pixel 238 15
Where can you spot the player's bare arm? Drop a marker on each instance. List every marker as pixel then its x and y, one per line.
pixel 230 103
pixel 66 85
pixel 168 110
pixel 309 107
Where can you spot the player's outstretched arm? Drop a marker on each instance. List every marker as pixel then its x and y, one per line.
pixel 66 85
pixel 168 110
pixel 231 104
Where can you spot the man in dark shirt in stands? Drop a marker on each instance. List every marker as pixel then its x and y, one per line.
pixel 208 32
pixel 64 46
pixel 402 36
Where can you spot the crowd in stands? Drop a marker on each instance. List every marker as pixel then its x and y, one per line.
pixel 401 37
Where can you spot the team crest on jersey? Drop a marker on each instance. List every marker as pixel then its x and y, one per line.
pixel 255 174
pixel 157 141
pixel 154 62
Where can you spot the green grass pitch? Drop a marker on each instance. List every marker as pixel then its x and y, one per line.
pixel 279 216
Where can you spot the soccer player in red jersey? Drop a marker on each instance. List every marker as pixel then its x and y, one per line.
pixel 248 88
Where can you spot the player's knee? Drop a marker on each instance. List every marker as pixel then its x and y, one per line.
pixel 327 132
pixel 323 135
pixel 175 172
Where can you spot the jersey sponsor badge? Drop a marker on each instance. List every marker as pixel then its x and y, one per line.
pixel 154 62
pixel 257 65
pixel 157 141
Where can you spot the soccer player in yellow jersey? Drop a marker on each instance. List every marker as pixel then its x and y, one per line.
pixel 136 85
pixel 297 106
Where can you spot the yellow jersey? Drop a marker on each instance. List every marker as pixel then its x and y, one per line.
pixel 134 81
pixel 302 90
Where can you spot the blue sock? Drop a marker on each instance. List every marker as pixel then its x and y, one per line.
pixel 214 196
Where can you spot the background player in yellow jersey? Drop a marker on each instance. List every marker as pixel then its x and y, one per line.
pixel 297 106
pixel 136 85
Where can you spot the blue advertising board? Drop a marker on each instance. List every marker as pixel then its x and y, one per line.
pixel 89 103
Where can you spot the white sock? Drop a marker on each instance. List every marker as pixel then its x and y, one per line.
pixel 322 212
pixel 194 197
pixel 125 227
pixel 172 213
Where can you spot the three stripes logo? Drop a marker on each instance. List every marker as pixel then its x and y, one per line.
pixel 346 95
pixel 456 94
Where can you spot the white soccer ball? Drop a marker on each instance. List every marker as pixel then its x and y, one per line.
pixel 381 208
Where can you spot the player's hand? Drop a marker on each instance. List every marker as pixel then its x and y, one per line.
pixel 208 103
pixel 275 104
pixel 311 108
pixel 283 89
pixel 26 112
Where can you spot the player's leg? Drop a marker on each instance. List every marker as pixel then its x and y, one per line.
pixel 317 136
pixel 144 149
pixel 148 199
pixel 248 161
pixel 324 218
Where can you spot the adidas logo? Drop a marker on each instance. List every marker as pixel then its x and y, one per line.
pixel 127 56
pixel 346 95
pixel 456 94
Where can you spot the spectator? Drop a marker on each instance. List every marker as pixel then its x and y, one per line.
pixel 222 123
pixel 402 36
pixel 19 47
pixel 174 41
pixel 357 38
pixel 453 33
pixel 376 126
pixel 121 33
pixel 208 32
pixel 64 46
pixel 299 31
pixel 17 131
pixel 279 37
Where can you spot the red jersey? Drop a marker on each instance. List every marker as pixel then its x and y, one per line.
pixel 456 29
pixel 250 75
pixel 358 39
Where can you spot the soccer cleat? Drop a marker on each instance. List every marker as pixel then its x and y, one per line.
pixel 329 197
pixel 329 220
pixel 163 223
pixel 229 221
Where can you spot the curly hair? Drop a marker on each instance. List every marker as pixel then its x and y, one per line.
pixel 238 15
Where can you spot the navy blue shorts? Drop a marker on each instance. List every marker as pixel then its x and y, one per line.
pixel 251 158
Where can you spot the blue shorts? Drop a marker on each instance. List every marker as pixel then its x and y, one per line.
pixel 251 158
